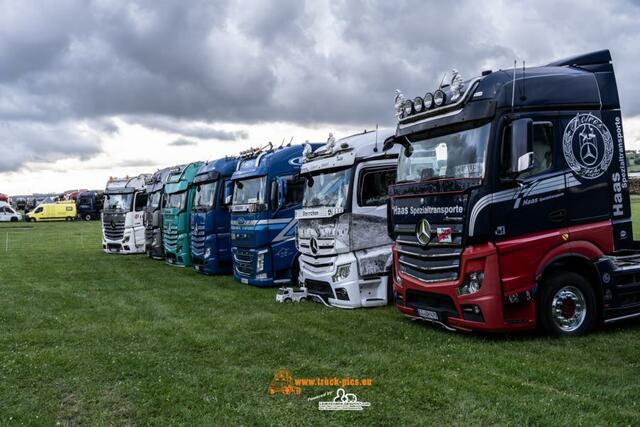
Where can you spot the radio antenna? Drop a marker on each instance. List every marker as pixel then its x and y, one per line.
pixel 290 141
pixel 523 97
pixel 375 149
pixel 513 89
pixel 282 143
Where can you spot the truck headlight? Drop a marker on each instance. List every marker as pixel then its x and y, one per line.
pixel 127 238
pixel 472 283
pixel 207 252
pixel 342 272
pixel 260 261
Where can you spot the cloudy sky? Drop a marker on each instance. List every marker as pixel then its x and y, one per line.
pixel 90 89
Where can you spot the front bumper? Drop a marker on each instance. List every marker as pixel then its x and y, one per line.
pixel 353 291
pixel 438 302
pixel 178 254
pixel 154 247
pixel 128 245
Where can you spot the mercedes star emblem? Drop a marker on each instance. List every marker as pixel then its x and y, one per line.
pixel 313 245
pixel 423 232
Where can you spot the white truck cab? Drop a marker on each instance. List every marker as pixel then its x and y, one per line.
pixel 345 252
pixel 123 228
pixel 7 213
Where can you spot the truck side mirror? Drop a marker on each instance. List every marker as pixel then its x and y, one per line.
pixel 228 192
pixel 521 145
pixel 282 191
pixel 388 143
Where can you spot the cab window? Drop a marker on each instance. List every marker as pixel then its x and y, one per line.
pixel 39 209
pixel 542 150
pixel 141 202
pixel 295 190
pixel 373 188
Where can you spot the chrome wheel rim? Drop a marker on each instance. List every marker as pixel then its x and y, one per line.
pixel 568 308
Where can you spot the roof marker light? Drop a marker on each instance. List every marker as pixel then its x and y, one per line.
pixel 418 104
pixel 408 107
pixel 428 100
pixel 439 98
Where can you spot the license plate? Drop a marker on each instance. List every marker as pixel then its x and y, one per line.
pixel 245 281
pixel 427 314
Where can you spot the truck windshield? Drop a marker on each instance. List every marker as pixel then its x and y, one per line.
pixel 456 155
pixel 177 200
pixel 205 196
pixel 327 189
pixel 119 202
pixel 249 191
pixel 153 201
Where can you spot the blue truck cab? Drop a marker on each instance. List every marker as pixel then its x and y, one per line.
pixel 210 217
pixel 267 190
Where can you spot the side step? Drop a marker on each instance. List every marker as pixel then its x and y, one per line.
pixel 620 279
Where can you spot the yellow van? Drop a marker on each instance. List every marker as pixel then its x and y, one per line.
pixel 58 211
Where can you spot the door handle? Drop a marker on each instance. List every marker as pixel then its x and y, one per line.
pixel 558 215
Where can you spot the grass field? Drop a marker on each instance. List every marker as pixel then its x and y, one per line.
pixel 88 338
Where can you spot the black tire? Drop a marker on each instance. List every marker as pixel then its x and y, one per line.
pixel 303 299
pixel 390 297
pixel 87 217
pixel 14 219
pixel 288 300
pixel 564 296
pixel 295 273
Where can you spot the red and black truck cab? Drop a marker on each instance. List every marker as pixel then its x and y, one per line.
pixel 511 207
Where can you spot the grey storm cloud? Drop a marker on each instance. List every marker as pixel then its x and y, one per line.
pixel 181 142
pixel 188 129
pixel 176 66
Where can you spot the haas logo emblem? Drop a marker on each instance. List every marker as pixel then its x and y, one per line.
pixel 587 146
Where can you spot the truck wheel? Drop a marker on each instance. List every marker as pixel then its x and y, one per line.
pixel 14 219
pixel 288 300
pixel 87 217
pixel 567 305
pixel 390 296
pixel 295 273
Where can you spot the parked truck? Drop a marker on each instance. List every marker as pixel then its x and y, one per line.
pixel 210 217
pixel 123 215
pixel 267 190
pixel 345 250
pixel 89 204
pixel 179 194
pixel 153 213
pixel 511 205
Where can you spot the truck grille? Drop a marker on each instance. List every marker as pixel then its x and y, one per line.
pixel 243 261
pixel 430 301
pixel 321 289
pixel 325 246
pixel 113 225
pixel 170 237
pixel 435 262
pixel 317 265
pixel 197 239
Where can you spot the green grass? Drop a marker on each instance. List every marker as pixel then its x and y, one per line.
pixel 88 338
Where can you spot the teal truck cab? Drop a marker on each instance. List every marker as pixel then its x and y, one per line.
pixel 175 214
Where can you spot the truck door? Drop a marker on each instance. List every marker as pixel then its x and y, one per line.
pixel 588 151
pixel 536 201
pixel 283 224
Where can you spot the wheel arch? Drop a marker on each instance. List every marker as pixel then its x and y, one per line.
pixel 578 259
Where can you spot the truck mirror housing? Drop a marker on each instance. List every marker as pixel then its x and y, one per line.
pixel 521 145
pixel 388 143
pixel 282 191
pixel 228 192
